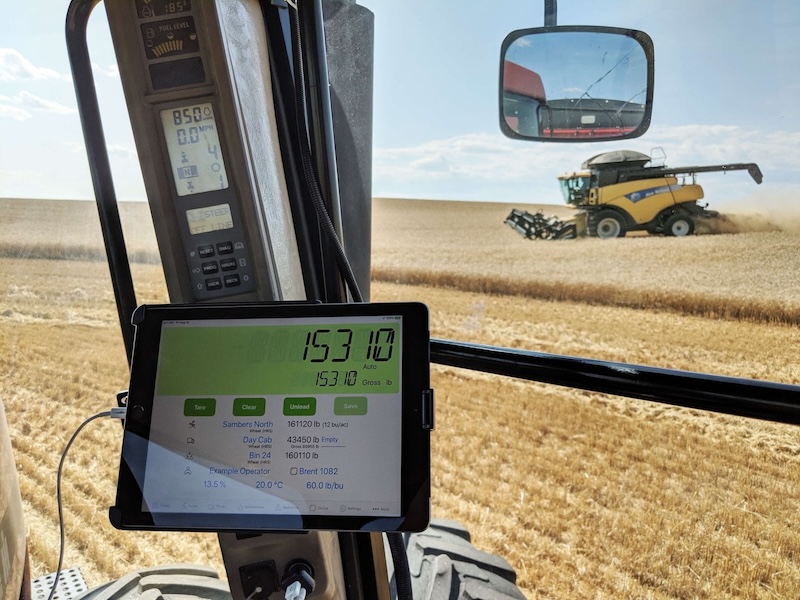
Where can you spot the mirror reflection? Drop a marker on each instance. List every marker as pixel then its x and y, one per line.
pixel 574 85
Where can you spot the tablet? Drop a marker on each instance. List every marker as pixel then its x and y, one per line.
pixel 254 417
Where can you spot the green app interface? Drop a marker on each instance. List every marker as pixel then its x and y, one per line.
pixel 277 416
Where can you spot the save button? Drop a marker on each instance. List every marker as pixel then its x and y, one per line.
pixel 350 405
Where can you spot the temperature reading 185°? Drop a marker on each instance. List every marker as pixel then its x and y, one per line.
pixel 194 148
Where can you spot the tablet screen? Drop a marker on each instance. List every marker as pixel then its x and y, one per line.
pixel 260 419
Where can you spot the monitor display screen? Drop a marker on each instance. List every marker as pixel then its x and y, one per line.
pixel 299 418
pixel 194 149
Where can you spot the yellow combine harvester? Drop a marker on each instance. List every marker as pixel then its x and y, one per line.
pixel 615 193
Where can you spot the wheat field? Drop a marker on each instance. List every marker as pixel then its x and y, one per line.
pixel 587 495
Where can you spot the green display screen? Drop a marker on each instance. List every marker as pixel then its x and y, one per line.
pixel 268 358
pixel 288 416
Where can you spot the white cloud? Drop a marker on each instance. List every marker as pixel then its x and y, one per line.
pixel 12 112
pixel 490 166
pixel 15 67
pixel 474 156
pixel 29 101
pixel 114 150
pixel 523 42
pixel 22 106
pixel 121 151
pixel 774 151
pixel 436 164
pixel 111 71
pixel 478 166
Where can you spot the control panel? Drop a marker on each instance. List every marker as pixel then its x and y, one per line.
pixel 219 205
pixel 217 252
pixel 198 87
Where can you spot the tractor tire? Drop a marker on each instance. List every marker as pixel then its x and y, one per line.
pixel 679 225
pixel 187 582
pixel 609 224
pixel 444 565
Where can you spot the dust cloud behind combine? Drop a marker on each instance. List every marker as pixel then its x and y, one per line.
pixel 760 212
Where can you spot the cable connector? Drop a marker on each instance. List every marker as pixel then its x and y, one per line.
pixel 298 580
pixel 295 591
pixel 118 412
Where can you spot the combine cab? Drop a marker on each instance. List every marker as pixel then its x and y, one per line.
pixel 615 193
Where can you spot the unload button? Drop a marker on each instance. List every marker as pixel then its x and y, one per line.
pixel 297 407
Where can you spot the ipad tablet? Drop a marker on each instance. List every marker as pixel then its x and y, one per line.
pixel 254 417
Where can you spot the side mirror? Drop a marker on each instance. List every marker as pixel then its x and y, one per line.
pixel 576 84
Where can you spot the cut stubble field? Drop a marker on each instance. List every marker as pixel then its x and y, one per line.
pixel 587 495
pixel 753 276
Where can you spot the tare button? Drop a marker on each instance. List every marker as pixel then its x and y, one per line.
pixel 199 407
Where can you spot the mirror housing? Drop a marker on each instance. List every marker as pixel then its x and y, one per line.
pixel 576 84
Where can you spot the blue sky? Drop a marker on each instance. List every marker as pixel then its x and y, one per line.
pixel 727 83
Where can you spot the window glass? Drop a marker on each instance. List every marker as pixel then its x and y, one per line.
pixel 587 495
pixel 736 269
pixel 591 495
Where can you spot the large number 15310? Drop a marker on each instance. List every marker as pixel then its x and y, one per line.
pixel 336 345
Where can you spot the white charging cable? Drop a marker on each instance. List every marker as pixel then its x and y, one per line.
pixel 295 591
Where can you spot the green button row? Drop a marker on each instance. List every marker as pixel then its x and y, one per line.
pixel 292 407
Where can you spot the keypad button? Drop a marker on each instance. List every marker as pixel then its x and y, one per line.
pixel 210 267
pixel 205 251
pixel 232 280
pixel 225 247
pixel 215 283
pixel 228 264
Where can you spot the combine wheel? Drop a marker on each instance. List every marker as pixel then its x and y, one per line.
pixel 610 224
pixel 679 225
pixel 444 565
